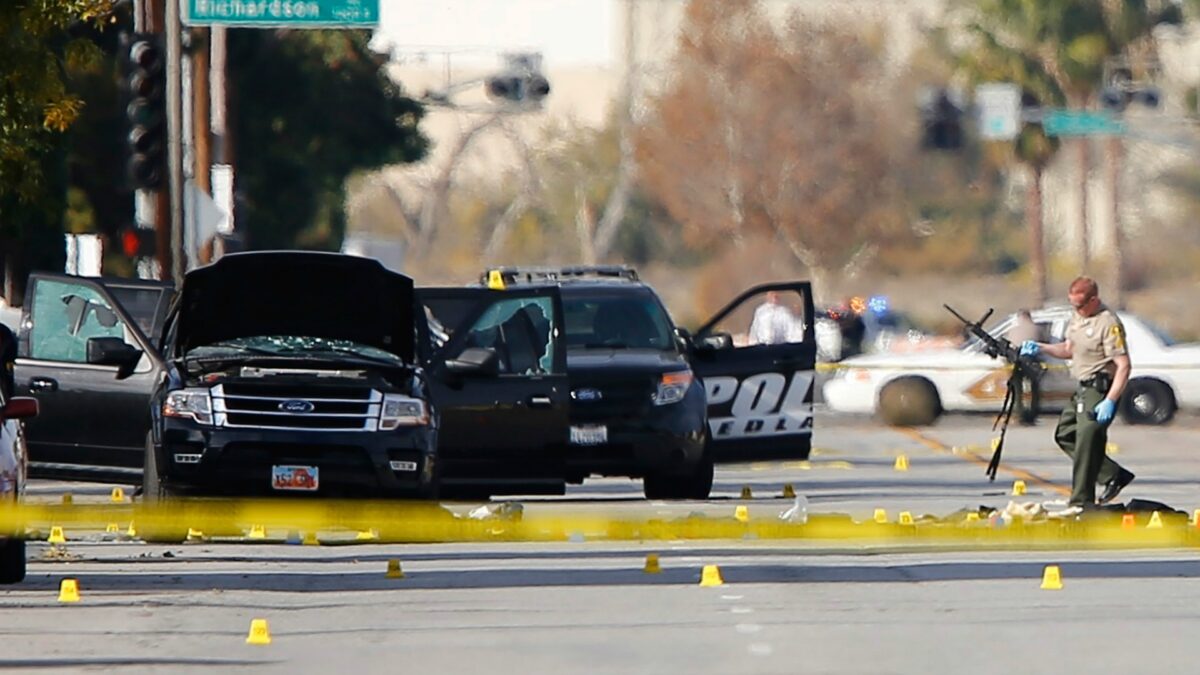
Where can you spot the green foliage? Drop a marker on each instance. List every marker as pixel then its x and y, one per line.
pixel 35 104
pixel 96 142
pixel 309 109
pixel 1056 50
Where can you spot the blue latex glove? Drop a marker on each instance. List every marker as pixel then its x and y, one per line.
pixel 1105 410
pixel 1030 348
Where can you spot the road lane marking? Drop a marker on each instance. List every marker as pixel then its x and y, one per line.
pixel 760 649
pixel 934 444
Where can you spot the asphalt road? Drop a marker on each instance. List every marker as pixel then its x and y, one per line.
pixel 589 607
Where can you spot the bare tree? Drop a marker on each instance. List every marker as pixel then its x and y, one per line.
pixel 528 191
pixel 424 209
pixel 777 132
pixel 596 237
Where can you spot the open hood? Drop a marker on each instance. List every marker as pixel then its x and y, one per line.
pixel 324 295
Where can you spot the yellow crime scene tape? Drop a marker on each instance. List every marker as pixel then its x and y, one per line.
pixel 415 522
pixel 824 367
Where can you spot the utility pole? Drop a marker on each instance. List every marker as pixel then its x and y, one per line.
pixel 201 137
pixel 223 152
pixel 1084 150
pixel 200 110
pixel 1115 148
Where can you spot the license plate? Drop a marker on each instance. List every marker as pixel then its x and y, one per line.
pixel 288 477
pixel 592 434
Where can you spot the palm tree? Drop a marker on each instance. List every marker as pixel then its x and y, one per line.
pixel 989 59
pixel 1129 27
pixel 1058 50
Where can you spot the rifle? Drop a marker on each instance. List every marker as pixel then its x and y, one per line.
pixel 1023 366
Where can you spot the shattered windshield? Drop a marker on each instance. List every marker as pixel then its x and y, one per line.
pixel 291 346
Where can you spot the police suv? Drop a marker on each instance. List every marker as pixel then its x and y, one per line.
pixel 633 395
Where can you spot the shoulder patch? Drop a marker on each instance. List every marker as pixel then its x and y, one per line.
pixel 1118 333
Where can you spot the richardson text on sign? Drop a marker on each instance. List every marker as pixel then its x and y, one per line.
pixel 292 13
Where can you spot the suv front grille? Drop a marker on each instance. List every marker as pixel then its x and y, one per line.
pixel 619 399
pixel 304 407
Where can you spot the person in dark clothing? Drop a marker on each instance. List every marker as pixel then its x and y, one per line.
pixel 8 358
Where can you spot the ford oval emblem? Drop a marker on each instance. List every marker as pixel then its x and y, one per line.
pixel 297 406
pixel 587 395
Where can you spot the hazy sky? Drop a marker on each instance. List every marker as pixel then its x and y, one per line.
pixel 567 32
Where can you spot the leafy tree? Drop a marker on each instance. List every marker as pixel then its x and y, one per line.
pixel 43 41
pixel 309 108
pixel 1056 50
pixel 35 104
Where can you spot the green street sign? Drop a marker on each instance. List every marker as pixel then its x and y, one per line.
pixel 1081 123
pixel 282 13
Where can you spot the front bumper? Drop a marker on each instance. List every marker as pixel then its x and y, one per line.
pixel 849 395
pixel 642 440
pixel 211 461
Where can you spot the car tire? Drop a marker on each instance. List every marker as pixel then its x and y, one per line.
pixel 154 492
pixel 909 402
pixel 1148 401
pixel 696 484
pixel 152 488
pixel 432 491
pixel 12 561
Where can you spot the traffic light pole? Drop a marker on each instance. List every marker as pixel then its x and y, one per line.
pixel 174 35
pixel 154 21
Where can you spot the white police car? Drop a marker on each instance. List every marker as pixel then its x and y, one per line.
pixel 1165 377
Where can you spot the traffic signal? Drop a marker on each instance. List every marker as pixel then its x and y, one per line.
pixel 137 242
pixel 145 111
pixel 518 88
pixel 942 121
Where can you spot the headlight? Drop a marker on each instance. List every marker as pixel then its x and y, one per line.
pixel 195 404
pixel 402 411
pixel 673 387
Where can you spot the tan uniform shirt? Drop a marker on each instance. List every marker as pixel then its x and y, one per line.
pixel 1095 340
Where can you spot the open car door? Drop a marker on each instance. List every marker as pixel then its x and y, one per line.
pixel 92 367
pixel 498 374
pixel 757 358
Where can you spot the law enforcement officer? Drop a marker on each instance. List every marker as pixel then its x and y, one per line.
pixel 1095 344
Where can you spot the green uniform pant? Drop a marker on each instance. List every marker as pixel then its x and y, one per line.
pixel 1084 440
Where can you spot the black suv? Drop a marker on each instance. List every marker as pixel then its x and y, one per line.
pixel 638 404
pixel 276 373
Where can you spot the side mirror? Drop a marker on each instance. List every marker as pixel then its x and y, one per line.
pixel 113 351
pixel 716 342
pixel 683 338
pixel 19 408
pixel 478 361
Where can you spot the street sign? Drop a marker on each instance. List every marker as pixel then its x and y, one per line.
pixel 999 106
pixel 1082 123
pixel 282 13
